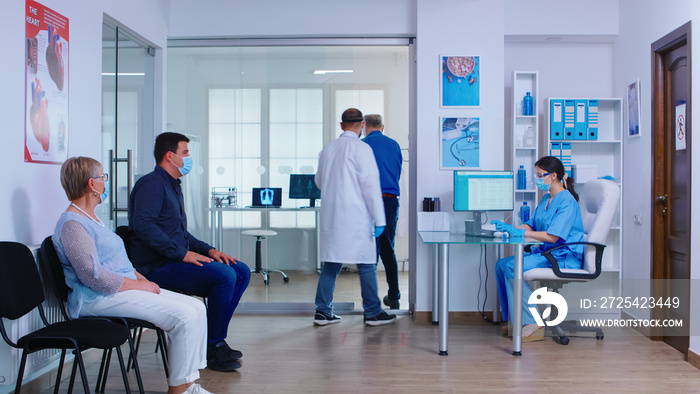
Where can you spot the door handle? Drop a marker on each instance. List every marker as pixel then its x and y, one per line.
pixel 663 199
pixel 111 184
pixel 129 173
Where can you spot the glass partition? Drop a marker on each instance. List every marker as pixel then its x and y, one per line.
pixel 263 113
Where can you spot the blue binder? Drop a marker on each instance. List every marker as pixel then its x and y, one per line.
pixel 566 157
pixel 556 119
pixel 592 120
pixel 555 150
pixel 569 119
pixel 581 126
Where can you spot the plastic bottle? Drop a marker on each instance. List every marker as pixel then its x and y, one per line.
pixel 529 137
pixel 524 212
pixel 528 105
pixel 522 178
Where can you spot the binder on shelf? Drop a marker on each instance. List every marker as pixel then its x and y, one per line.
pixel 556 122
pixel 581 125
pixel 569 119
pixel 566 157
pixel 592 120
pixel 555 150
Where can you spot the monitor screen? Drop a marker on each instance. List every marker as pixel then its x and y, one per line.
pixel 267 196
pixel 303 186
pixel 483 191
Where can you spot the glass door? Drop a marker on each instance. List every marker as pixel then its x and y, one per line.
pixel 127 111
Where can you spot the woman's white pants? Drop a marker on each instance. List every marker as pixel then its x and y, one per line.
pixel 182 317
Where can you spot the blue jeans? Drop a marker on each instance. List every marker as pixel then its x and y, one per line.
pixel 385 247
pixel 223 286
pixel 368 286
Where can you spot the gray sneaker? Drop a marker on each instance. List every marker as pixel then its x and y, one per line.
pixel 381 319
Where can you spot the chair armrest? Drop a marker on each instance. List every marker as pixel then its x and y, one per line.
pixel 598 261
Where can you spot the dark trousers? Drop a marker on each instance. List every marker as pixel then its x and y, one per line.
pixel 223 286
pixel 385 247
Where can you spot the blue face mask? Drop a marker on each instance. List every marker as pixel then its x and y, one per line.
pixel 539 182
pixel 105 194
pixel 186 165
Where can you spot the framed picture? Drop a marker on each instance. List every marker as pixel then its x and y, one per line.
pixel 460 81
pixel 633 109
pixel 459 143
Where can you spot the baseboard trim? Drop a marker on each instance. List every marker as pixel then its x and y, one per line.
pixel 693 359
pixel 456 317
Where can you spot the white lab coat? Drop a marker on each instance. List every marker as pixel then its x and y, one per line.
pixel 351 201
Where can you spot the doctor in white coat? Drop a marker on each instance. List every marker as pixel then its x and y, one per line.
pixel 352 216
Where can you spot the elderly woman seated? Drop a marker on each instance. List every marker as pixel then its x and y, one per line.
pixel 103 280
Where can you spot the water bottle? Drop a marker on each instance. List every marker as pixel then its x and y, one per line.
pixel 528 105
pixel 522 178
pixel 524 212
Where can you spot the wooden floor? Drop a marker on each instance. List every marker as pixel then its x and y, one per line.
pixel 287 354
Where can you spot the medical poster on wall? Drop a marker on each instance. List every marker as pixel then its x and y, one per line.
pixel 459 143
pixel 46 85
pixel 460 81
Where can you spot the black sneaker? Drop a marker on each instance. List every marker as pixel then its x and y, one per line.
pixel 321 319
pixel 233 354
pixel 219 358
pixel 392 304
pixel 381 319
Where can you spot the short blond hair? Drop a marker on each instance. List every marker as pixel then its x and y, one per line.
pixel 373 121
pixel 75 173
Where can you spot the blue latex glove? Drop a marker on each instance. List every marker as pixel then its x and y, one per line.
pixel 507 228
pixel 378 230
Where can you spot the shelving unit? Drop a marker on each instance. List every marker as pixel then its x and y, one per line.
pixel 525 138
pixel 605 154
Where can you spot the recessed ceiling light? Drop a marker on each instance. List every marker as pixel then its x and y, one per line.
pixel 332 71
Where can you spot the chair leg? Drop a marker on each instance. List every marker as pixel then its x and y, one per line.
pixel 73 371
pixel 20 373
pixel 137 338
pixel 125 377
pixel 106 373
pixel 102 374
pixel 163 351
pixel 83 374
pixel 59 372
pixel 137 370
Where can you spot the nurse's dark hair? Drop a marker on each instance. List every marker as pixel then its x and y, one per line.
pixel 167 142
pixel 552 164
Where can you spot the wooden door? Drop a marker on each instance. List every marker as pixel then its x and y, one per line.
pixel 671 84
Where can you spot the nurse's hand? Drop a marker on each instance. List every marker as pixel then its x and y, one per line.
pixel 378 230
pixel 501 226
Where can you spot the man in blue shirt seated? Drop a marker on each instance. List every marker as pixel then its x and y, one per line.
pixel 387 153
pixel 164 251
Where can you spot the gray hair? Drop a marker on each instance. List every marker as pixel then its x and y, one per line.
pixel 75 173
pixel 373 121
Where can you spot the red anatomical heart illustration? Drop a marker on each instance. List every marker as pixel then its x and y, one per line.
pixel 38 117
pixel 54 60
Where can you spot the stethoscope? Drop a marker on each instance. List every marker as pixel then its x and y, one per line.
pixel 454 146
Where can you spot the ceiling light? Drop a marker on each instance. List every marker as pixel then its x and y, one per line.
pixel 124 74
pixel 331 71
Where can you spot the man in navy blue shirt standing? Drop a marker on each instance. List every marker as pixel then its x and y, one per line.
pixel 387 153
pixel 164 251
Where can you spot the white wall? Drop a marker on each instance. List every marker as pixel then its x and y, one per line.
pixel 643 22
pixel 31 197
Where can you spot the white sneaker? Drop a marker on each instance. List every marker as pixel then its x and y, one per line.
pixel 196 389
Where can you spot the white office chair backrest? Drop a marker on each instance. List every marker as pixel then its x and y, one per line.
pixel 599 201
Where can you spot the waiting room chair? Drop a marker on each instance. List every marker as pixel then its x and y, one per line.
pixel 21 291
pixel 53 269
pixel 599 201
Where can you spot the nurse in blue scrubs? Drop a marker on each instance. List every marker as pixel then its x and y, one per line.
pixel 556 221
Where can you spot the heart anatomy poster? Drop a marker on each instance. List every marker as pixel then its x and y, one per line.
pixel 46 89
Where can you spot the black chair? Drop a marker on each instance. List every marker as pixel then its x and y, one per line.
pixel 52 268
pixel 21 292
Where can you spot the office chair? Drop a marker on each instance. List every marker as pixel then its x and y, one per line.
pixel 21 291
pixel 599 202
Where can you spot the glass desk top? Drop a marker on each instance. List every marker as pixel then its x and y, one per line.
pixel 448 237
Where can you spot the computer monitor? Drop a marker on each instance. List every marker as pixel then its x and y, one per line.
pixel 267 197
pixel 304 186
pixel 480 191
